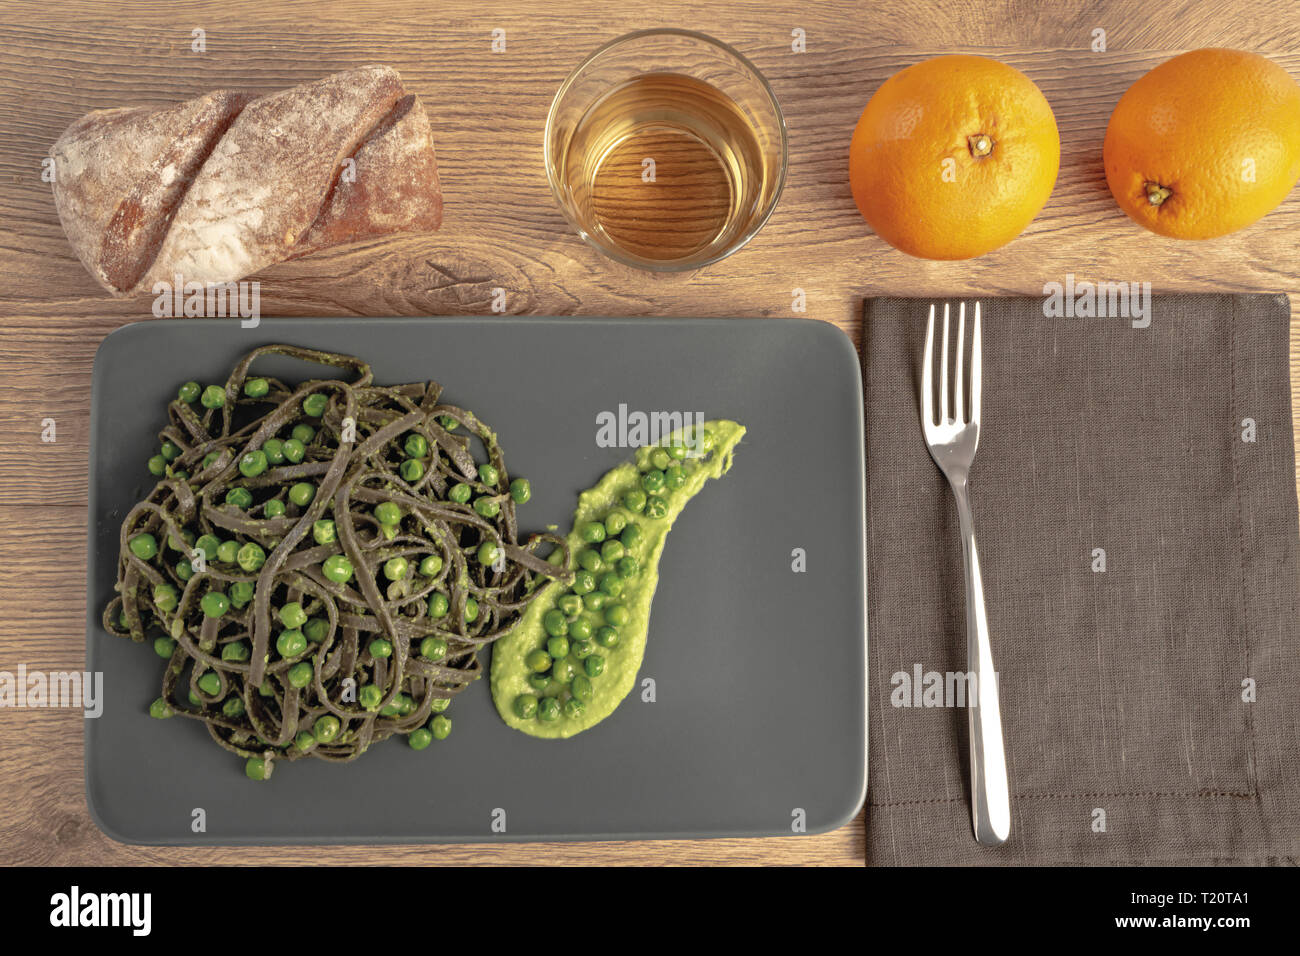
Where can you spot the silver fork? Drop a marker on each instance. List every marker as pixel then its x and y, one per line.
pixel 952 441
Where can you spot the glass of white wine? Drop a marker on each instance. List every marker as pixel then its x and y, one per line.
pixel 666 150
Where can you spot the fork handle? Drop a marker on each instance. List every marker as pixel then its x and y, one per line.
pixel 990 793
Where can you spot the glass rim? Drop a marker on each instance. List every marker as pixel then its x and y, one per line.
pixel 613 252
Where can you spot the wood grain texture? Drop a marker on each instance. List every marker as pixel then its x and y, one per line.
pixel 502 230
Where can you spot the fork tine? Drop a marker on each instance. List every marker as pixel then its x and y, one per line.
pixel 958 399
pixel 975 373
pixel 927 373
pixel 943 371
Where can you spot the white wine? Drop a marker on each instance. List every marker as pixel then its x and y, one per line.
pixel 667 168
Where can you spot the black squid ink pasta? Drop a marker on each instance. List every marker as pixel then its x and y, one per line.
pixel 318 565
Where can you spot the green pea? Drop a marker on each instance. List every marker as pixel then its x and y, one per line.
pixel 653 482
pixel 570 605
pixel 632 537
pixel 313 406
pixel 563 671
pixel 526 706
pixel 157 466
pixel 540 682
pixel 593 532
pixel 236 652
pixel 447 422
pixel 594 665
pixel 612 550
pixel 181 474
pixel 431 565
pixel 214 604
pixel 292 615
pixel 226 551
pixel 214 396
pixel 395 568
pixel 165 597
pixel 302 493
pixel 387 512
pixel 291 643
pixel 189 392
pixel 304 740
pixel 440 704
pixel 580 687
pixel 184 570
pixel 256 387
pixel 253 463
pixel 419 738
pixel 241 592
pixel 678 450
pixel 416 445
pixel 612 585
pixel 471 609
pixel 324 531
pixel 326 728
pixel 660 458
pixel 255 768
pixel 589 558
pixel 433 648
pixel 584 582
pixel 487 507
pixel 208 544
pixel 293 450
pixel 274 449
pixel 656 507
pixel 538 661
pixel 574 708
pixel 163 647
pixel 626 568
pixel 548 709
pixel 411 470
pixel 170 451
pixel 381 647
pixel 209 459
pixel 439 605
pixel 460 493
pixel 634 500
pixel 555 623
pixel 250 557
pixel 617 615
pixel 160 709
pixel 315 629
pixel 583 649
pixel 674 477
pixel 300 674
pixel 488 553
pixel 185 544
pixel 489 475
pixel 558 647
pixel 144 546
pixel 521 490
pixel 337 568
pixel 240 498
pixel 210 683
pixel 615 522
pixel 440 727
pixel 193 698
pixel 302 433
pixel 580 630
pixel 273 508
pixel 595 600
pixel 233 706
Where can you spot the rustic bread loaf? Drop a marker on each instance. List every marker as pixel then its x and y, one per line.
pixel 226 184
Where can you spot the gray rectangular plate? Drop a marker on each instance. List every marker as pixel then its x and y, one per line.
pixel 759 718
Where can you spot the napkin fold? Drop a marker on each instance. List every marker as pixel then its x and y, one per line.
pixel 1134 496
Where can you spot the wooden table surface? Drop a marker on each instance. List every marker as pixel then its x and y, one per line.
pixel 58 60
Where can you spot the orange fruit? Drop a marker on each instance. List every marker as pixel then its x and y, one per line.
pixel 954 157
pixel 1205 143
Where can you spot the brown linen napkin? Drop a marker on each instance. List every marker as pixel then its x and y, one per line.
pixel 1122 689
